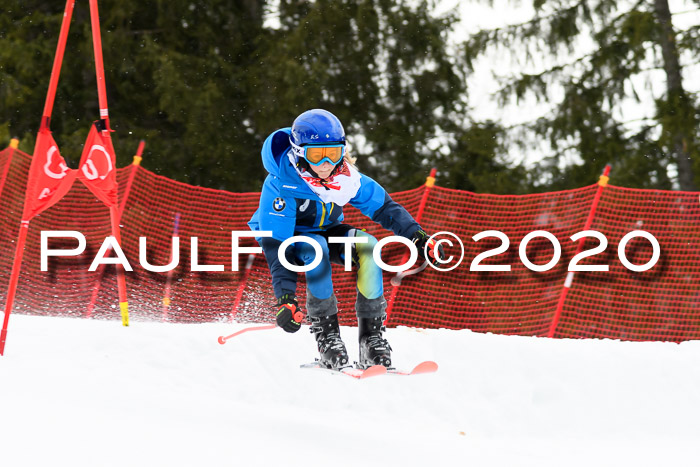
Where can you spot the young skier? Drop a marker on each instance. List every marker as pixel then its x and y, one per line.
pixel 310 179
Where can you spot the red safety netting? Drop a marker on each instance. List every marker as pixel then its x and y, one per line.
pixel 659 304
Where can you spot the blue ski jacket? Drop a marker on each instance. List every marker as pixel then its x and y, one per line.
pixel 289 207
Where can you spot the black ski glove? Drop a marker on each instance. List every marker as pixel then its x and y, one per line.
pixel 420 239
pixel 289 316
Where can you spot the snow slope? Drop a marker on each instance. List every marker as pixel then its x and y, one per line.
pixel 80 392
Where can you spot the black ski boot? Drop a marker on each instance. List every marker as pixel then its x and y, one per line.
pixel 330 345
pixel 374 349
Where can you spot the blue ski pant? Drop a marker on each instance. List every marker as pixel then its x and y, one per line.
pixel 370 287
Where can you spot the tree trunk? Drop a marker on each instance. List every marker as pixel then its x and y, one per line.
pixel 677 99
pixel 254 10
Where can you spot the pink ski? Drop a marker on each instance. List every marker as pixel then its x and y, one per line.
pixel 422 368
pixel 356 373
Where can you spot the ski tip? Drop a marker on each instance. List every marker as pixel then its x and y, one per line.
pixel 425 367
pixel 375 370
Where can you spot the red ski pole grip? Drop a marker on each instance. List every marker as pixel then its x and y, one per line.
pixel 297 315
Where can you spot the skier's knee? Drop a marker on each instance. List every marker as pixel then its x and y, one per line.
pixel 307 253
pixel 364 251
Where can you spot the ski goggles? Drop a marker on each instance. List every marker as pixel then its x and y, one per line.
pixel 317 155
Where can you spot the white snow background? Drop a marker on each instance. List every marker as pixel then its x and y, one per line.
pixel 78 392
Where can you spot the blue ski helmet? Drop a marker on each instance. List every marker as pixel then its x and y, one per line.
pixel 317 126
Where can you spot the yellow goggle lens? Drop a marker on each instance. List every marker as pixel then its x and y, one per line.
pixel 316 154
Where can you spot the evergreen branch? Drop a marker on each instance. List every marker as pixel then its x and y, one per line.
pixel 538 83
pixel 678 13
pixel 523 32
pixel 640 119
pixel 508 36
pixel 531 124
pixel 501 33
pixel 139 32
pixel 537 19
pixel 690 64
pixel 518 86
pixel 689 39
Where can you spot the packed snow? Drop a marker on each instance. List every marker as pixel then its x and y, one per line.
pixel 79 392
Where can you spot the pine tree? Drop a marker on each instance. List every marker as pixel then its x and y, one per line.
pixel 205 82
pixel 628 40
pixel 473 163
pixel 383 67
pixel 176 77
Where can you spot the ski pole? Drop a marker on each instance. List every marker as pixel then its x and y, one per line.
pixel 396 280
pixel 222 339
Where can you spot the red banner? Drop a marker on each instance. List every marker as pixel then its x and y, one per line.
pixel 49 176
pixel 97 165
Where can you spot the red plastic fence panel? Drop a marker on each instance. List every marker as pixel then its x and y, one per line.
pixel 662 303
pixel 518 301
pixel 659 304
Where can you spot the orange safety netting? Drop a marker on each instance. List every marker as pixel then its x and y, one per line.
pixel 662 303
